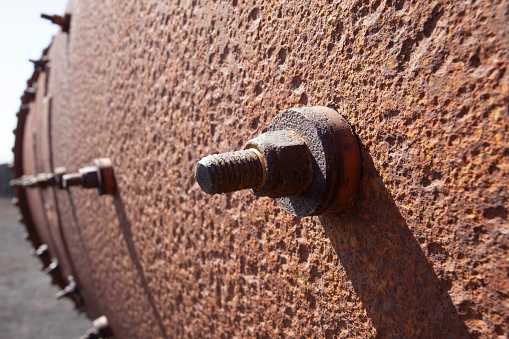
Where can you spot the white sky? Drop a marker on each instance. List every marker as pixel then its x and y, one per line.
pixel 23 35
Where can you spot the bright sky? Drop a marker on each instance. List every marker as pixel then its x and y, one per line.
pixel 23 35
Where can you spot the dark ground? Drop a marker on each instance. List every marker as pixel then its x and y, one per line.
pixel 5 177
pixel 27 306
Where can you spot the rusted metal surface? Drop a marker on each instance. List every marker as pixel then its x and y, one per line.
pixel 421 249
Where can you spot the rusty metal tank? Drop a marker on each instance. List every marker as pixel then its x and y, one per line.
pixel 420 251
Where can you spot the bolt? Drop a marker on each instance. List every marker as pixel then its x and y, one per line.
pixel 23 110
pixel 308 160
pixel 58 175
pixel 40 64
pixel 100 329
pixel 232 171
pixel 40 251
pixel 22 181
pixel 90 177
pixel 62 21
pixel 41 180
pixel 276 164
pixel 52 267
pixel 73 179
pixel 71 288
pixel 56 19
pixel 102 325
pixel 90 334
pixel 30 93
pixel 99 176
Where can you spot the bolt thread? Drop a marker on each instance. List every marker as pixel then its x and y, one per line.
pixel 15 183
pixel 53 18
pixel 229 172
pixel 24 181
pixel 73 179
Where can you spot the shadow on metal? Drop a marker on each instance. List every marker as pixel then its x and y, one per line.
pixel 125 227
pixel 388 269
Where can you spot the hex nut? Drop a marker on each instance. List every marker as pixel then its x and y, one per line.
pixel 89 177
pixel 287 162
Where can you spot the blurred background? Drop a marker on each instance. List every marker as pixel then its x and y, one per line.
pixel 28 309
pixel 23 36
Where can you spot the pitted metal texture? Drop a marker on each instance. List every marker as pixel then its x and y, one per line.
pixel 421 249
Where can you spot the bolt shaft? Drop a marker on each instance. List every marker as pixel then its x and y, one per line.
pixel 231 171
pixel 73 179
pixel 56 19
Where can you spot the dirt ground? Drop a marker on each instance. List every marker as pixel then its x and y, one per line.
pixel 27 306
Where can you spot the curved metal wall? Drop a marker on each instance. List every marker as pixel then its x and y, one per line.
pixel 155 86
